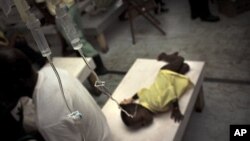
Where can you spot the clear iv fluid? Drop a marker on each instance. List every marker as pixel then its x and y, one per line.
pixel 64 19
pixel 41 43
pixel 35 27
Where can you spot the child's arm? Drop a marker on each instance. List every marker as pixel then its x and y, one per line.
pixel 176 113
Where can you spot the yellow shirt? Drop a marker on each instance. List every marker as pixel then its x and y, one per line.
pixel 166 87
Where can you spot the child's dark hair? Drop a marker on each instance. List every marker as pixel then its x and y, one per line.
pixel 142 116
pixel 17 74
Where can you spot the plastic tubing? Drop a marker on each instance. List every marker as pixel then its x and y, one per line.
pixel 35 27
pixel 70 29
pixel 100 85
pixel 59 81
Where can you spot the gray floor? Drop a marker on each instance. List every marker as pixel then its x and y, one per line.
pixel 224 46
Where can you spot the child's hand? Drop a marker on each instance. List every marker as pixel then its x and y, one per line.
pixel 176 113
pixel 127 101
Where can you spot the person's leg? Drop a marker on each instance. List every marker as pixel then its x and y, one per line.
pixel 194 4
pixel 203 8
pixel 47 17
pixel 160 6
pixel 163 8
pixel 88 49
pixel 206 15
pixel 157 2
pixel 200 8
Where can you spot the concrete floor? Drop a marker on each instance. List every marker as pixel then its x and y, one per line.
pixel 224 46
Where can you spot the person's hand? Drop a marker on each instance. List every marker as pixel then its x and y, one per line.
pixel 176 114
pixel 127 101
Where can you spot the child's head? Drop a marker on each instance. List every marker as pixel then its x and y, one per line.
pixel 167 58
pixel 142 116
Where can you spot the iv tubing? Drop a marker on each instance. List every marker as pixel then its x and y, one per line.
pixel 34 25
pixel 102 88
pixel 84 59
pixel 60 82
pixel 73 36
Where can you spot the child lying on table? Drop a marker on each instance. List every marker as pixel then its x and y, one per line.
pixel 161 96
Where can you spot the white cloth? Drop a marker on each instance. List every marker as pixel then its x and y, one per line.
pixel 52 111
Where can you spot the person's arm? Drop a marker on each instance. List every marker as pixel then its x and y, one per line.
pixel 176 113
pixel 48 18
